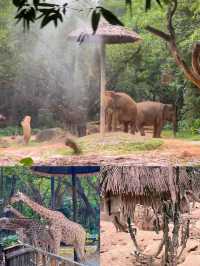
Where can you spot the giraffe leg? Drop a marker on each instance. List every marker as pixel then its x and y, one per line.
pixel 80 251
pixel 56 235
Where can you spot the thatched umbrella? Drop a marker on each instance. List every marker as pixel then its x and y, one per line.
pixel 105 34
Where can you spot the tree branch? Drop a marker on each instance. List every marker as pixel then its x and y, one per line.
pixel 171 12
pixel 159 33
pixel 192 74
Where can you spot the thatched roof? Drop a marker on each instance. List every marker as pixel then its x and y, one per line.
pixel 148 185
pixel 106 33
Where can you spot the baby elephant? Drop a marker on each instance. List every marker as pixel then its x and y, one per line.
pixel 155 114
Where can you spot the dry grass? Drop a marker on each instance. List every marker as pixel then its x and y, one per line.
pixel 114 144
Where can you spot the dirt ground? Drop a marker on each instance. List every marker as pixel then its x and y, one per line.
pixel 56 153
pixel 116 248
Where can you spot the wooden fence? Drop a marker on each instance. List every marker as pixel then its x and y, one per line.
pixel 27 255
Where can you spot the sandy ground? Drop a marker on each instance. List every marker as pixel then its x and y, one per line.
pixel 172 150
pixel 116 248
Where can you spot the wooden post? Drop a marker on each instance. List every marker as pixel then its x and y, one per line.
pixel 102 89
pixel 74 201
pixel 52 192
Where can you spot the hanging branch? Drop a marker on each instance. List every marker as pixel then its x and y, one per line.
pixel 191 73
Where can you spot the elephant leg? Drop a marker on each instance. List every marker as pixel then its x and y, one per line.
pixel 141 129
pixel 133 128
pixel 126 127
pixel 157 130
pixel 154 131
pixel 109 118
pixel 114 120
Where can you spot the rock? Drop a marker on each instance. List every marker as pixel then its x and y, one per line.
pixel 49 134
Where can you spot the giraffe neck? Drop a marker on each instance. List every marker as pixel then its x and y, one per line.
pixel 41 210
pixel 20 222
pixel 16 213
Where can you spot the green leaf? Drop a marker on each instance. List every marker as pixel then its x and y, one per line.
pixel 110 17
pixel 28 161
pixel 95 20
pixel 51 17
pixel 46 20
pixel 19 3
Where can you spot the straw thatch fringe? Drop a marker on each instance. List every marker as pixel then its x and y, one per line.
pixel 148 186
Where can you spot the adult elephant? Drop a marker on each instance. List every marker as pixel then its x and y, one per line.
pixel 120 107
pixel 155 114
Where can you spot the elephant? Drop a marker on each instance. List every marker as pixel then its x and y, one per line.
pixel 120 107
pixel 155 114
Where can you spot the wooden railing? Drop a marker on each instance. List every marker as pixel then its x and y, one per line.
pixel 31 256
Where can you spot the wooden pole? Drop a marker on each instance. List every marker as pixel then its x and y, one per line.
pixel 102 89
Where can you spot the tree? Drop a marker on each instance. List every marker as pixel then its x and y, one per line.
pixel 193 73
pixel 30 11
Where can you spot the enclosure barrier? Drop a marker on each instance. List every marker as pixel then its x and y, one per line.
pixel 30 256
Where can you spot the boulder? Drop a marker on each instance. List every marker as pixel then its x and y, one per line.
pixel 50 134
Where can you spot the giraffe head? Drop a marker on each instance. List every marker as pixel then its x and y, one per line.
pixel 4 221
pixel 19 196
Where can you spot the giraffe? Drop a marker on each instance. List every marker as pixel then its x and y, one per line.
pixel 29 230
pixel 62 229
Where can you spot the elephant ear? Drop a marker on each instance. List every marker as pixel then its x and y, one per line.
pixel 167 108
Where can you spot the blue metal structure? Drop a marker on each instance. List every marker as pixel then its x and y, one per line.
pixel 66 170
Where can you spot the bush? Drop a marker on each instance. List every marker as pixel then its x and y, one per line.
pixel 13 131
pixel 10 131
pixel 192 126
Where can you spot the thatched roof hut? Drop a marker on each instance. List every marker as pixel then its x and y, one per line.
pixel 149 186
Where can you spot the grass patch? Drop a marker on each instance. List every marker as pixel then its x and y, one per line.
pixel 188 135
pixel 113 144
